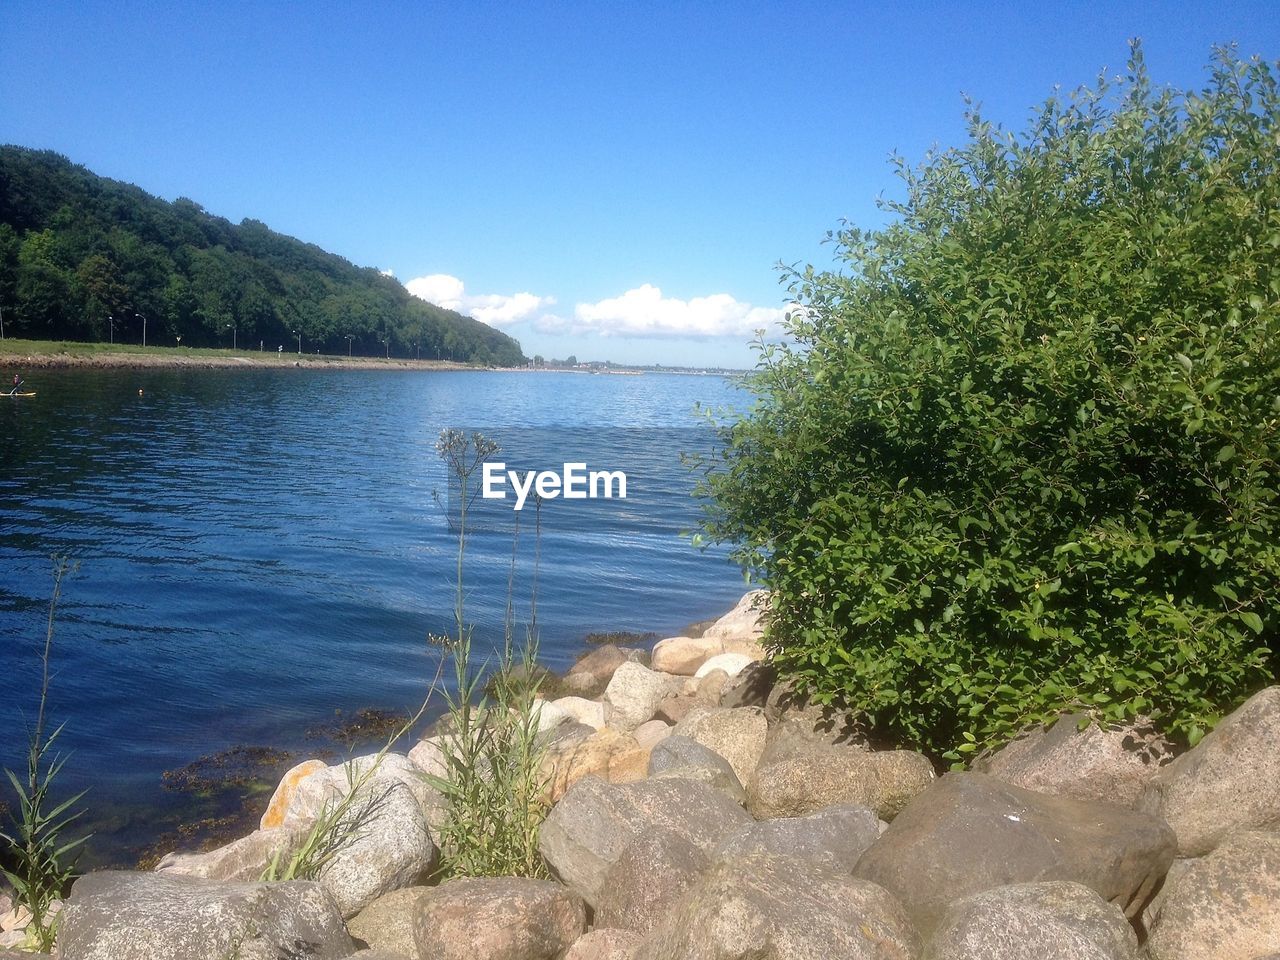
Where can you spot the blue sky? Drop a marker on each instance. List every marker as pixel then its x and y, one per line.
pixel 610 180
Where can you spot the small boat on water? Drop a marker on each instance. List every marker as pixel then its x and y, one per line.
pixel 28 393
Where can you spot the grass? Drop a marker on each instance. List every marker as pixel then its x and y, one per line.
pixel 11 346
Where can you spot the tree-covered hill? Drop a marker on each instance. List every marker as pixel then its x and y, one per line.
pixel 77 249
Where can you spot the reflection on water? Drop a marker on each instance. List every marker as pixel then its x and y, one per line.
pixel 260 549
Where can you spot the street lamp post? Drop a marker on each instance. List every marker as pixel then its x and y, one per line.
pixel 418 347
pixel 233 335
pixel 299 335
pixel 179 341
pixel 349 339
pixel 144 327
pixel 387 343
pixel 111 329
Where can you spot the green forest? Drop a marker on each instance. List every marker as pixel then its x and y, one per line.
pixel 83 257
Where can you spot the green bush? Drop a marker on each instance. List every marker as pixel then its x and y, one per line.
pixel 1022 455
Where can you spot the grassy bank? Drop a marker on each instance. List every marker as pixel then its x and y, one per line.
pixel 35 354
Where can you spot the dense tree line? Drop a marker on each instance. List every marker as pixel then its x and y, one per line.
pixel 77 249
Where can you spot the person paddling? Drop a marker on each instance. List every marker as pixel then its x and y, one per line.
pixel 17 382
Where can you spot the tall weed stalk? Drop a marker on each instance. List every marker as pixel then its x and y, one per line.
pixel 492 784
pixel 44 859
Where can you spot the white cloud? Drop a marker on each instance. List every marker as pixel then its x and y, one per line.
pixel 497 310
pixel 645 312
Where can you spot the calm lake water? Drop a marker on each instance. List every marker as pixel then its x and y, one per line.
pixel 262 553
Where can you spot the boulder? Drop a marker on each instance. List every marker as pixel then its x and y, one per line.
pixel 678 756
pixel 602 943
pixel 737 735
pixel 567 762
pixel 1230 779
pixel 649 734
pixel 970 832
pixel 682 656
pixel 745 621
pixel 594 669
pixel 243 859
pixel 835 837
pixel 593 713
pixel 386 924
pixel 1056 920
pixel 121 915
pixel 731 664
pixel 551 715
pixel 675 707
pixel 796 776
pixel 498 918
pixel 385 845
pixel 648 879
pixel 709 686
pixel 591 825
pixel 751 687
pixel 323 789
pixel 634 694
pixel 283 795
pixel 1114 764
pixel 793 715
pixel 779 908
pixel 1224 906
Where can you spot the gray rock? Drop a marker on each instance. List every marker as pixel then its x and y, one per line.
pixel 604 944
pixel 323 789
pixel 1223 906
pixel 737 735
pixel 970 832
pixel 591 825
pixel 648 878
pixel 779 908
pixel 634 693
pixel 1230 779
pixel 798 775
pixel 793 713
pixel 1033 921
pixel 241 860
pixel 835 837
pixel 389 848
pixel 591 674
pixel 678 756
pixel 504 918
pixel 120 915
pixel 1113 765
pixel 750 688
pixel 386 925
pixel 745 621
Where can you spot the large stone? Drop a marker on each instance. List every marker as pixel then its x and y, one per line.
pixel 387 923
pixel 970 832
pixel 682 656
pixel 780 908
pixel 1033 921
pixel 322 790
pixel 835 837
pixel 796 776
pixel 1090 763
pixel 283 795
pixel 751 687
pixel 1224 906
pixel 119 915
pixel 602 943
pixel 586 832
pixel 550 715
pixel 730 664
pixel 678 756
pixel 570 760
pixel 745 621
pixel 385 846
pixel 1230 779
pixel 650 733
pixel 737 735
pixel 648 879
pixel 595 668
pixel 593 713
pixel 793 715
pixel 503 918
pixel 634 693
pixel 244 859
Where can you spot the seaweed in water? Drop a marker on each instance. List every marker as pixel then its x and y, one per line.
pixel 363 726
pixel 237 768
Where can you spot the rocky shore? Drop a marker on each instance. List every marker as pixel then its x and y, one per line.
pixel 703 811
